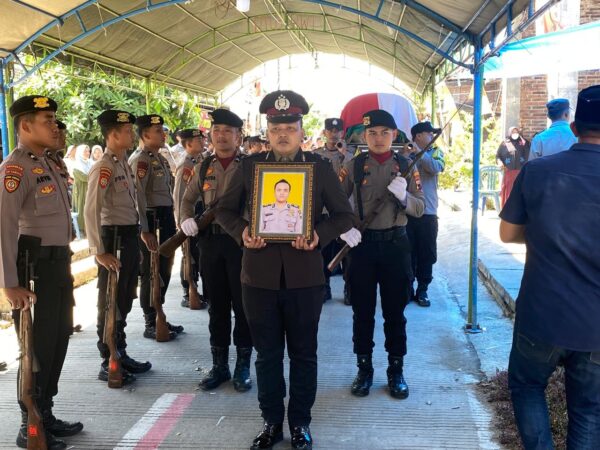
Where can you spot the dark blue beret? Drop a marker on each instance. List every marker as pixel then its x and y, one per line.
pixel 223 116
pixel 379 118
pixel 115 117
pixel 31 104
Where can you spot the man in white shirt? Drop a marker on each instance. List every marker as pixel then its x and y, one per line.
pixel 558 137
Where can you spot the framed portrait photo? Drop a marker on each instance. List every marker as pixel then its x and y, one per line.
pixel 282 201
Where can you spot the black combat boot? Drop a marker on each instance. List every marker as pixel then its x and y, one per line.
pixel 347 300
pixel 270 435
pixel 150 330
pixel 327 291
pixel 364 378
pixel 185 300
pixel 241 374
pixel 421 296
pixel 396 382
pixel 128 377
pixel 220 369
pixel 51 442
pixel 133 366
pixel 58 427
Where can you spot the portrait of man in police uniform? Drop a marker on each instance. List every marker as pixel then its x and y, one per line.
pixel 281 216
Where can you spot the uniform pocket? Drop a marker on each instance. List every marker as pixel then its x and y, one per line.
pixel 46 204
pixel 534 350
pixel 121 195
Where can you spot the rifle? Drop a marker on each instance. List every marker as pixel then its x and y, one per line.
pixel 162 330
pixel 381 202
pixel 36 436
pixel 115 377
pixel 188 274
pixel 167 248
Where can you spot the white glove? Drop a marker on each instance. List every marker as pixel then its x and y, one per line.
pixel 189 227
pixel 352 237
pixel 398 188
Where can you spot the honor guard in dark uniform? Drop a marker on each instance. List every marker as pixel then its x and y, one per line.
pixel 34 203
pixel 154 184
pixel 220 255
pixel 334 150
pixel 111 216
pixel 282 283
pixel 382 258
pixel 192 141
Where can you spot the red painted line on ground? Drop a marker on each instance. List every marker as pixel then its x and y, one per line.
pixel 163 426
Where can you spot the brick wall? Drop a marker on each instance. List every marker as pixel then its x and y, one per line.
pixel 460 93
pixel 590 12
pixel 534 96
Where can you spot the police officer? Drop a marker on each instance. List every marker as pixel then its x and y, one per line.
pixel 111 218
pixel 220 254
pixel 383 255
pixel 34 202
pixel 282 283
pixel 281 216
pixel 334 150
pixel 192 142
pixel 154 183
pixel 422 231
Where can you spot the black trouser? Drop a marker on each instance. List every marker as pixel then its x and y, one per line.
pixel 422 234
pixel 221 262
pixel 196 270
pixel 127 286
pixel 382 258
pixel 275 317
pixel 166 222
pixel 52 319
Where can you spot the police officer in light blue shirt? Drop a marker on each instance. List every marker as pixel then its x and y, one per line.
pixel 558 137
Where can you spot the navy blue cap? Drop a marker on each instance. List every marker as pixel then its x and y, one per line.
pixel 588 105
pixel 190 133
pixel 31 104
pixel 222 116
pixel 283 106
pixel 379 118
pixel 334 122
pixel 557 105
pixel 148 120
pixel 423 127
pixel 115 117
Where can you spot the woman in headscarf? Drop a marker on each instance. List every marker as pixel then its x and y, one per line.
pixel 96 153
pixel 81 169
pixel 513 153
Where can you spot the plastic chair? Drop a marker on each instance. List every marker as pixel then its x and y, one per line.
pixel 490 180
pixel 74 216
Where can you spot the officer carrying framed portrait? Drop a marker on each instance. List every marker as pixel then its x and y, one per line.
pixel 282 201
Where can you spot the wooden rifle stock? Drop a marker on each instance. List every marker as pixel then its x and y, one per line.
pixel 115 376
pixel 36 436
pixel 168 248
pixel 380 205
pixel 188 273
pixel 161 327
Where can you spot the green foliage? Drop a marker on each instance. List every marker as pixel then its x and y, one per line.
pixel 459 157
pixel 313 123
pixel 83 94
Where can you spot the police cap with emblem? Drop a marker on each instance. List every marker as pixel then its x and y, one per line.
pixel 283 107
pixel 334 123
pixel 379 118
pixel 115 117
pixel 190 133
pixel 148 120
pixel 423 127
pixel 32 104
pixel 588 107
pixel 223 116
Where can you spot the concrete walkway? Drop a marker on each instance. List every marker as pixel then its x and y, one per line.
pixel 164 409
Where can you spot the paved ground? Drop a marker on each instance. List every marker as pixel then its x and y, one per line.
pixel 164 409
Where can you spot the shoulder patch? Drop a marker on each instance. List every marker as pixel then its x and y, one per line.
pixel 105 174
pixel 142 169
pixel 187 174
pixel 11 183
pixel 14 169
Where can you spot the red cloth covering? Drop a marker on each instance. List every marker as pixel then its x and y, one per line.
pixel 380 158
pixel 226 161
pixel 510 175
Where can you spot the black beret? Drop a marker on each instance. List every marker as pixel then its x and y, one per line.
pixel 149 120
pixel 588 105
pixel 283 106
pixel 190 133
pixel 332 123
pixel 222 116
pixel 557 105
pixel 61 125
pixel 256 139
pixel 379 118
pixel 423 127
pixel 31 104
pixel 115 117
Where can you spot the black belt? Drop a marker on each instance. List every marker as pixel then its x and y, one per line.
pixel 216 229
pixel 122 230
pixel 55 252
pixel 389 234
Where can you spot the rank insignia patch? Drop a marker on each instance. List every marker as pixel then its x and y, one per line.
pixel 206 187
pixel 37 170
pixel 49 189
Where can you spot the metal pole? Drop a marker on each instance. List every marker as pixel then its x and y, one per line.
pixel 3 114
pixel 9 99
pixel 148 95
pixel 433 99
pixel 472 325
